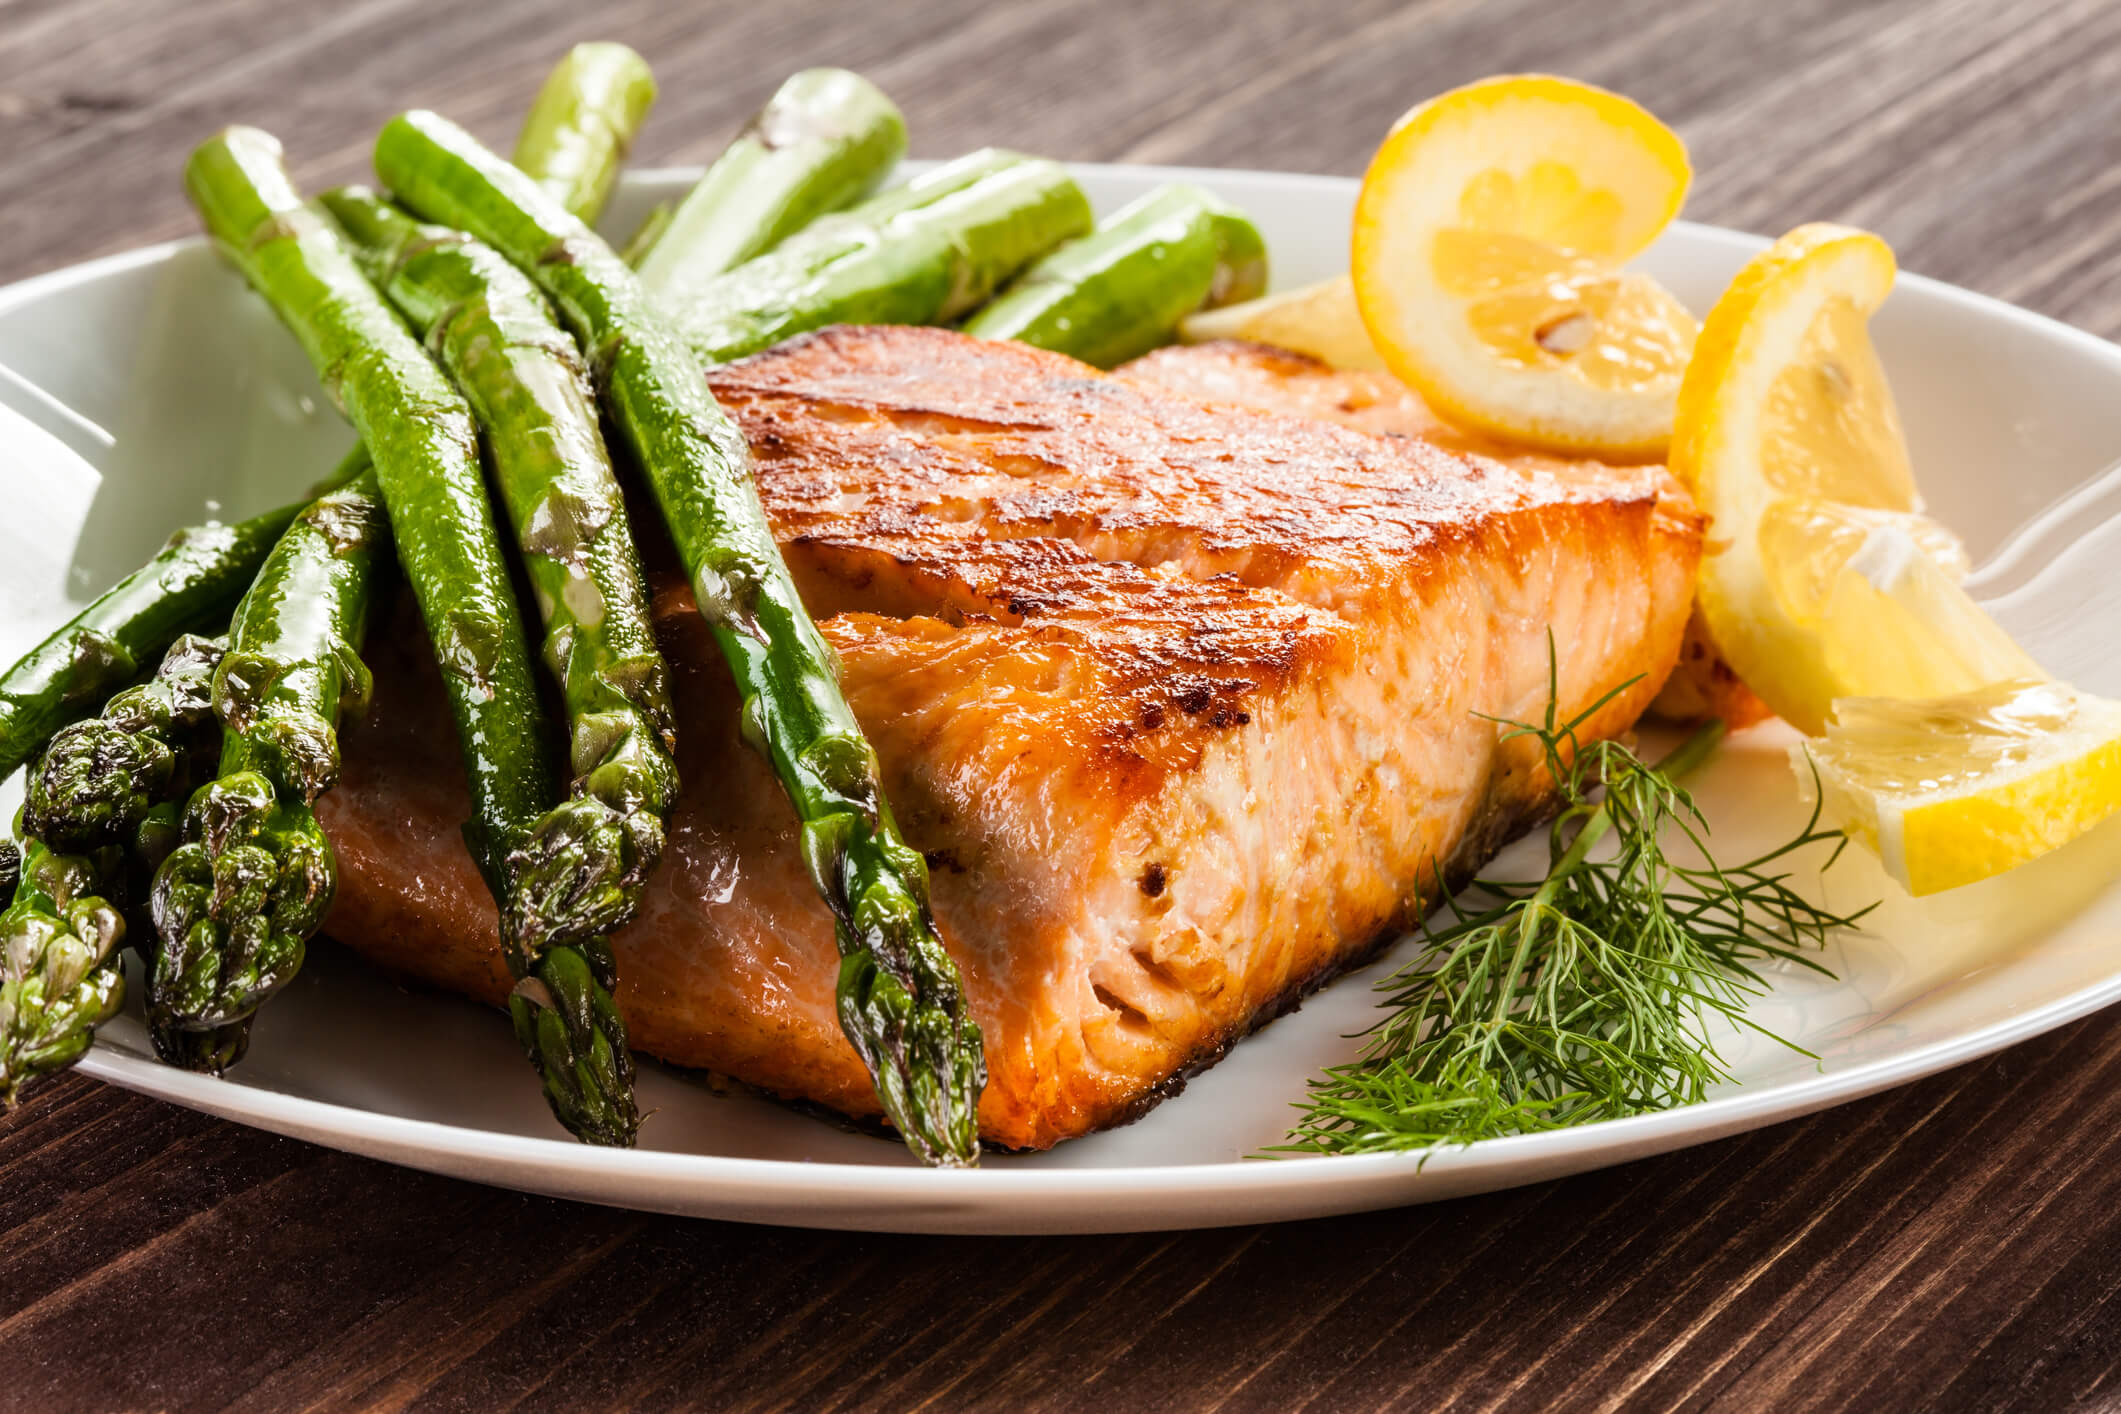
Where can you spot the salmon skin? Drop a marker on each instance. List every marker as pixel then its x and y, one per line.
pixel 1187 705
pixel 1702 684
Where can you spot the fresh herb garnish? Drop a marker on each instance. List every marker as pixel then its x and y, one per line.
pixel 1581 996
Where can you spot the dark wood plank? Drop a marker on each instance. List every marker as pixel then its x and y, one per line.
pixel 1953 1244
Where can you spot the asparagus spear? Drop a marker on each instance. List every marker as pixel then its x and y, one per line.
pixel 216 1048
pixel 580 869
pixel 424 440
pixel 929 252
pixel 1120 291
pixel 115 785
pixel 573 139
pixel 900 1000
pixel 116 775
pixel 824 140
pixel 579 127
pixel 106 792
pixel 60 976
pixel 195 579
pixel 98 779
pixel 235 903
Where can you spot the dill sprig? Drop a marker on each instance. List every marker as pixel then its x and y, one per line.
pixel 1581 996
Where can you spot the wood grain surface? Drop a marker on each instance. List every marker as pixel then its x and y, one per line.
pixel 1955 1244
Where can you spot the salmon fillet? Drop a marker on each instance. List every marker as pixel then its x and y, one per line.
pixel 1257 376
pixel 1182 702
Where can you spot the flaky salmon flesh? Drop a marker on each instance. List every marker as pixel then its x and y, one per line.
pixel 1188 705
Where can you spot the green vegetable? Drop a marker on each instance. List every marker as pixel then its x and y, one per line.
pixel 100 801
pixel 929 252
pixel 575 137
pixel 1581 996
pixel 824 140
pixel 106 785
pixel 98 779
pixel 1120 291
pixel 901 1003
pixel 235 903
pixel 195 580
pixel 194 736
pixel 215 1049
pixel 425 444
pixel 579 871
pixel 60 976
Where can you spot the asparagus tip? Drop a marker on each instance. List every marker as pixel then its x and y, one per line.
pixel 98 779
pixel 59 981
pixel 576 873
pixel 571 1030
pixel 207 1052
pixel 236 903
pixel 926 1057
pixel 95 782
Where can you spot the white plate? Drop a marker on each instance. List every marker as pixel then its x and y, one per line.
pixel 139 392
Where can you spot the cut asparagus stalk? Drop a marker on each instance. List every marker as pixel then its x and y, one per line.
pixel 580 870
pixel 900 1000
pixel 575 137
pixel 60 974
pixel 235 903
pixel 929 252
pixel 425 444
pixel 824 141
pixel 1121 291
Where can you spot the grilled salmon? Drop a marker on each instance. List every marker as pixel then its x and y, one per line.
pixel 1701 686
pixel 1187 705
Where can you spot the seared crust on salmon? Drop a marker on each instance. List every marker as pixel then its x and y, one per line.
pixel 1268 379
pixel 1187 705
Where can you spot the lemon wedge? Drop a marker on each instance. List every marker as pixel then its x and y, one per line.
pixel 1320 320
pixel 1489 236
pixel 1955 789
pixel 1940 744
pixel 1824 579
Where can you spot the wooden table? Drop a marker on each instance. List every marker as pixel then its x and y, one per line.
pixel 1956 1243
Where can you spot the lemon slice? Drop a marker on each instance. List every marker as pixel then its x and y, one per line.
pixel 1824 580
pixel 1955 789
pixel 1488 239
pixel 1320 320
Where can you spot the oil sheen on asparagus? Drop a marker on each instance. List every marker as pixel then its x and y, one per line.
pixel 929 252
pixel 578 872
pixel 1121 290
pixel 235 903
pixel 824 141
pixel 424 440
pixel 900 1000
